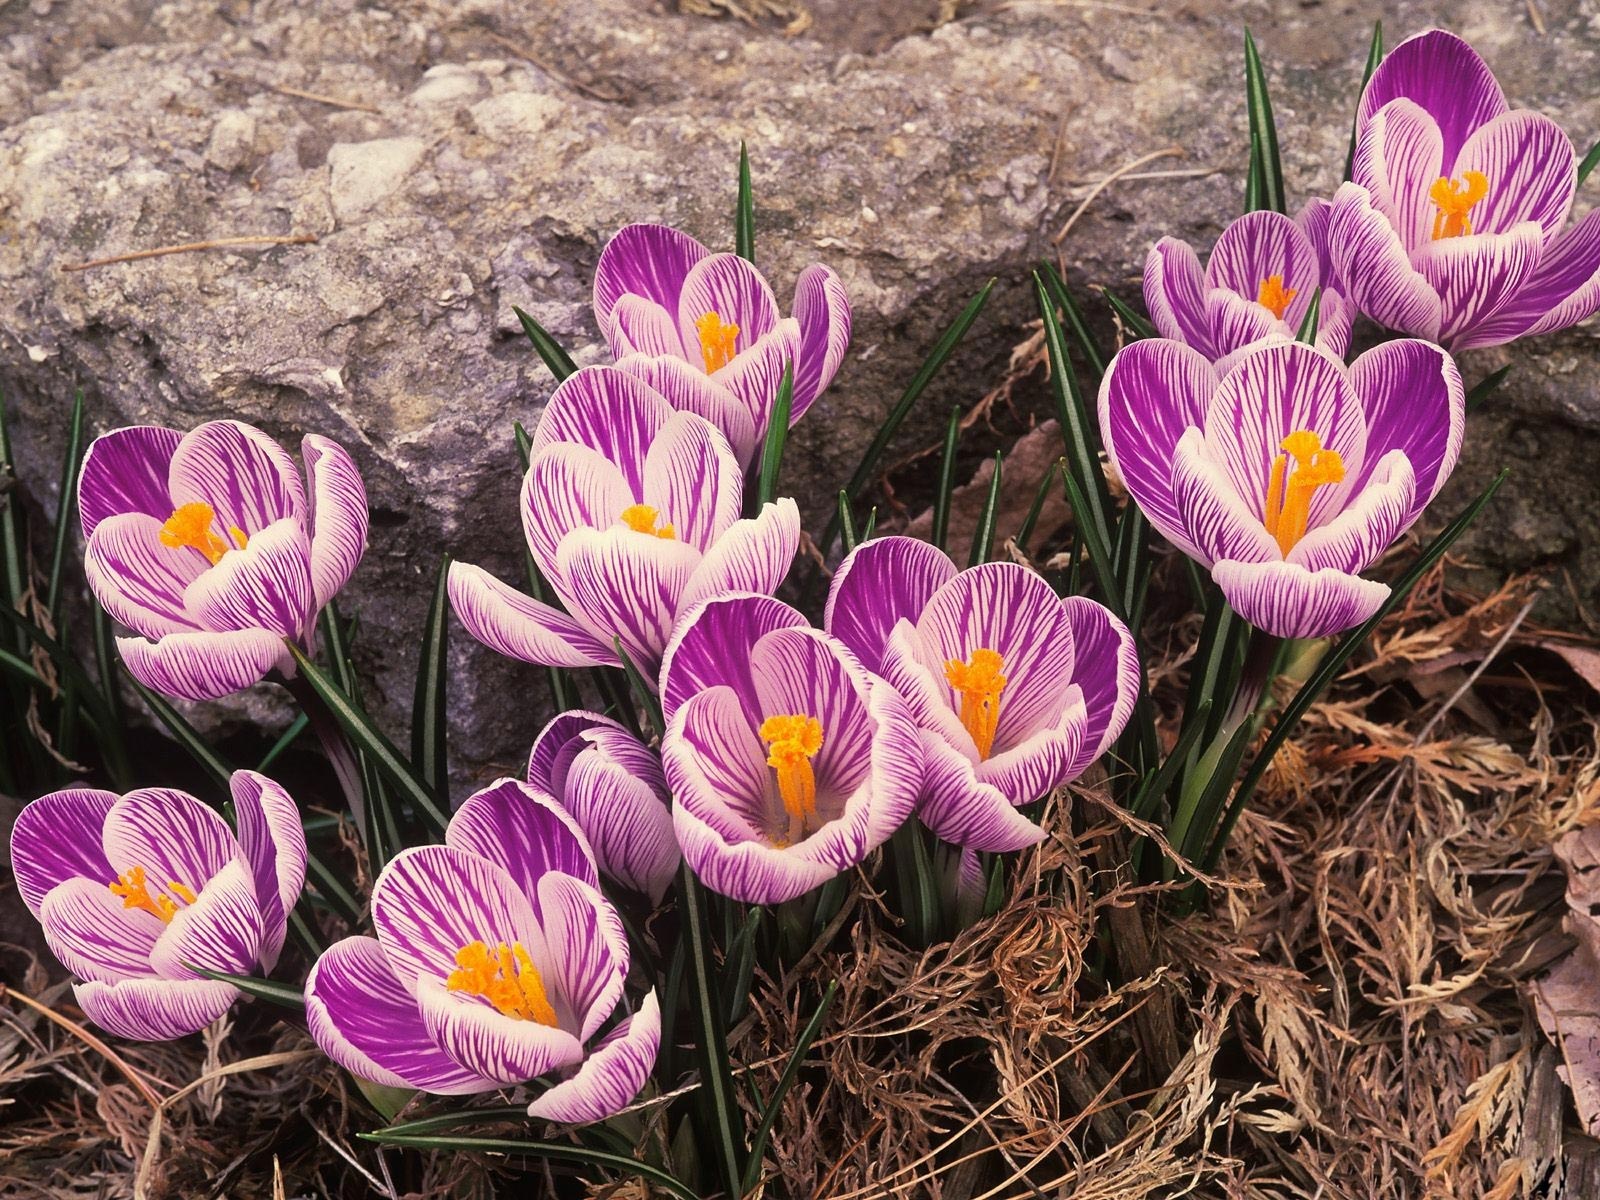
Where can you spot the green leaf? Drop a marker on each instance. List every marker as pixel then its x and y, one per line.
pixel 70 466
pixel 330 888
pixel 791 1071
pixel 286 739
pixel 454 1120
pixel 186 736
pixel 1308 327
pixel 429 728
pixel 1218 658
pixel 1265 187
pixel 280 994
pixel 741 955
pixel 718 1109
pixel 947 480
pixel 1099 553
pixel 1590 161
pixel 370 740
pixel 777 436
pixel 555 358
pixel 983 535
pixel 1156 783
pixel 1336 659
pixel 1078 427
pixel 643 695
pixel 847 522
pixel 1062 295
pixel 555 1151
pixel 1138 326
pixel 914 879
pixel 744 218
pixel 1025 530
pixel 1374 57
pixel 1130 561
pixel 1486 387
pixel 362 785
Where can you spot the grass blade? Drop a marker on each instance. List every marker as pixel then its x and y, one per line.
pixel 71 465
pixel 847 522
pixel 1138 326
pixel 186 736
pixel 280 994
pixel 1099 553
pixel 1265 189
pixel 1486 387
pixel 1025 530
pixel 1092 354
pixel 983 535
pixel 791 1071
pixel 947 480
pixel 286 739
pixel 555 1151
pixel 429 730
pixel 777 436
pixel 1374 57
pixel 555 358
pixel 744 218
pixel 1157 782
pixel 719 1110
pixel 1590 161
pixel 1078 428
pixel 1308 327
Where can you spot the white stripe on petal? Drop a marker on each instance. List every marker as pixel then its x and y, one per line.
pixel 57 838
pixel 137 580
pixel 338 515
pixel 1289 601
pixel 692 480
pixel 489 1043
pixel 1216 520
pixel 273 842
pixel 628 585
pixel 220 931
pixel 246 477
pixel 519 626
pixel 94 936
pixel 754 555
pixel 587 947
pixel 266 585
pixel 611 1076
pixel 963 810
pixel 1377 515
pixel 155 1010
pixel 202 666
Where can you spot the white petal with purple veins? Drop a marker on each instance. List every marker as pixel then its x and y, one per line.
pixel 247 478
pixel 519 626
pixel 754 555
pixel 94 936
pixel 338 515
pixel 273 842
pixel 203 666
pixel 125 471
pixel 220 931
pixel 57 838
pixel 1289 601
pixel 139 581
pixel 155 1010
pixel 266 585
pixel 611 1076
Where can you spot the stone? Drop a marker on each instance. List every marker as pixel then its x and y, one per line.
pixel 467 158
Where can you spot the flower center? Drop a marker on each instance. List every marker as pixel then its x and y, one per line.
pixel 191 525
pixel 1289 492
pixel 641 518
pixel 717 341
pixel 795 741
pixel 1454 201
pixel 1274 297
pixel 980 682
pixel 504 976
pixel 135 892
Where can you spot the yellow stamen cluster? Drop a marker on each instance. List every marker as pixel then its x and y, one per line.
pixel 504 976
pixel 795 740
pixel 1454 202
pixel 190 525
pixel 1274 297
pixel 718 341
pixel 1289 493
pixel 979 681
pixel 134 889
pixel 641 518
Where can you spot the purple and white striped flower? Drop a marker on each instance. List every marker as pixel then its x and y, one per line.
pixel 612 785
pixel 1017 690
pixel 631 510
pixel 1257 284
pixel 136 891
pixel 211 547
pixel 704 330
pixel 1289 475
pixel 789 763
pixel 1452 228
pixel 496 961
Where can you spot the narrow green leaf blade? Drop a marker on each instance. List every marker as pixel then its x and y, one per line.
pixel 71 464
pixel 719 1107
pixel 429 728
pixel 1308 327
pixel 185 735
pixel 1138 326
pixel 1062 295
pixel 1590 161
pixel 280 994
pixel 847 522
pixel 791 1071
pixel 555 358
pixel 1078 427
pixel 777 437
pixel 1374 57
pixel 947 480
pixel 1486 387
pixel 983 535
pixel 1263 134
pixel 744 220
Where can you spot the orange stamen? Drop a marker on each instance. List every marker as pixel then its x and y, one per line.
pixel 134 889
pixel 1274 297
pixel 190 525
pixel 504 976
pixel 980 682
pixel 641 518
pixel 1454 202
pixel 718 341
pixel 795 740
pixel 1288 508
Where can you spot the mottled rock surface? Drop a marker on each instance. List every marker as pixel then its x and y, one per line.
pixel 468 157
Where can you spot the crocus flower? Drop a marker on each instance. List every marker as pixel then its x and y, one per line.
pixel 788 762
pixel 136 891
pixel 631 511
pixel 1258 283
pixel 1452 229
pixel 1289 475
pixel 496 961
pixel 612 786
pixel 704 330
pixel 1016 689
pixel 210 547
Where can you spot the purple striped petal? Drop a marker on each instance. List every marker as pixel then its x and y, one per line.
pixel 202 666
pixel 756 375
pixel 94 936
pixel 1564 290
pixel 247 478
pixel 588 950
pixel 267 585
pixel 913 666
pixel 1397 159
pixel 610 411
pixel 1258 246
pixel 1271 393
pixel 362 1018
pixel 1413 398
pixel 1237 322
pixel 1444 75
pixel 1377 273
pixel 1216 520
pixel 615 790
pixel 804 672
pixel 1174 294
pixel 711 647
pixel 1532 172
pixel 1106 670
pixel 1034 768
pixel 611 1076
pixel 220 931
pixel 524 832
pixel 519 626
pixel 137 580
pixel 1313 220
pixel 644 260
pixel 338 515
pixel 1478 275
pixel 569 487
pixel 965 811
pixel 898 763
pixel 879 583
pixel 125 471
pixel 170 834
pixel 559 743
pixel 155 1010
pixel 487 1042
pixel 716 766
pixel 640 326
pixel 430 901
pixel 1378 514
pixel 732 288
pixel 822 310
pixel 692 480
pixel 1289 601
pixel 628 585
pixel 1334 318
pixel 754 555
pixel 273 842
pixel 57 838
pixel 1153 391
pixel 689 389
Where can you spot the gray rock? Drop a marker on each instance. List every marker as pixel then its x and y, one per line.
pixel 472 157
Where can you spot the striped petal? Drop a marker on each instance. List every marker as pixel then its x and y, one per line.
pixel 1398 157
pixel 1564 290
pixel 756 375
pixel 489 1043
pixel 220 931
pixel 362 1018
pixel 879 583
pixel 689 389
pixel 519 626
pixel 610 411
pixel 965 811
pixel 1034 768
pixel 1531 168
pixel 615 790
pixel 711 647
pixel 57 838
pixel 898 763
pixel 247 478
pixel 1174 294
pixel 692 480
pixel 627 585
pixel 1106 671
pixel 1477 276
pixel 137 580
pixel 588 950
pixel 1313 219
pixel 338 515
pixel 267 585
pixel 202 666
pixel 1289 601
pixel 754 554
pixel 523 831
pixel 732 288
pixel 1414 401
pixel 1257 247
pixel 645 260
pixel 1377 273
pixel 1216 520
pixel 569 487
pixel 1334 319
pixel 1444 75
pixel 822 310
pixel 125 471
pixel 1377 515
pixel 273 842
pixel 94 936
pixel 640 326
pixel 169 834
pixel 716 767
pixel 1237 322
pixel 155 1010
pixel 611 1076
